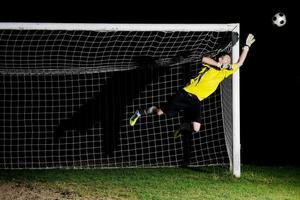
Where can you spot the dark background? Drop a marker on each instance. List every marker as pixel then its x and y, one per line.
pixel 270 78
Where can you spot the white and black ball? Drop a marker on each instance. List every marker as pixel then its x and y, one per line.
pixel 279 19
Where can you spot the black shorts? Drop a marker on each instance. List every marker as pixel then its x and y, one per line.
pixel 182 101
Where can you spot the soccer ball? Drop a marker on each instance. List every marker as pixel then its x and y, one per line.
pixel 279 19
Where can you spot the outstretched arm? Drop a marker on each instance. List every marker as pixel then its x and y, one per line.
pixel 249 42
pixel 211 62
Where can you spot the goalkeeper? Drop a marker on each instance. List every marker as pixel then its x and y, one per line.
pixel 203 85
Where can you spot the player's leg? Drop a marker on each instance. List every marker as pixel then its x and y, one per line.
pixel 192 116
pixel 171 108
pixel 159 112
pixel 193 127
pixel 194 113
pixel 186 126
pixel 152 110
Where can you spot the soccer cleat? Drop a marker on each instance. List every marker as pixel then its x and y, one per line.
pixel 177 133
pixel 134 118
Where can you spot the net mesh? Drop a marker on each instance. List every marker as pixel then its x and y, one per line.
pixel 85 85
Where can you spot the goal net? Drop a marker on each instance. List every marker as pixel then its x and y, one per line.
pixel 84 81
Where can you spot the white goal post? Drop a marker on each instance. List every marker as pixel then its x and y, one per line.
pixel 9 69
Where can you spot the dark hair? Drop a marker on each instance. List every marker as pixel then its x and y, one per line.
pixel 221 54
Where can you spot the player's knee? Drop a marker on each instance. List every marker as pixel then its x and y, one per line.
pixel 196 126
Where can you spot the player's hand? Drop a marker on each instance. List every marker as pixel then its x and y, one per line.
pixel 250 40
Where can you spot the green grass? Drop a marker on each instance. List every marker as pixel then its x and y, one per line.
pixel 263 183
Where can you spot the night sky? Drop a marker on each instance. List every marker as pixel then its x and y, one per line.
pixel 270 78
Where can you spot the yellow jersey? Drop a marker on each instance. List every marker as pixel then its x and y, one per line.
pixel 208 81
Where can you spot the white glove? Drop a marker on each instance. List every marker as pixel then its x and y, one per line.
pixel 250 40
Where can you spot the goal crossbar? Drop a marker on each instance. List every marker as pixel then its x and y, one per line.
pixel 121 27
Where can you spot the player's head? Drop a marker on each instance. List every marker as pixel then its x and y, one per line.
pixel 223 57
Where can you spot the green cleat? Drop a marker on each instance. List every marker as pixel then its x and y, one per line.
pixel 134 118
pixel 177 133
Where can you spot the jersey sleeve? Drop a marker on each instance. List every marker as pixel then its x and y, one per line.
pixel 229 72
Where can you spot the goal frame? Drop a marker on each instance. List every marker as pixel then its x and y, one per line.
pixel 235 166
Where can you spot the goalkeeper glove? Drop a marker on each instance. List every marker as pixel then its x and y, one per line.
pixel 249 41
